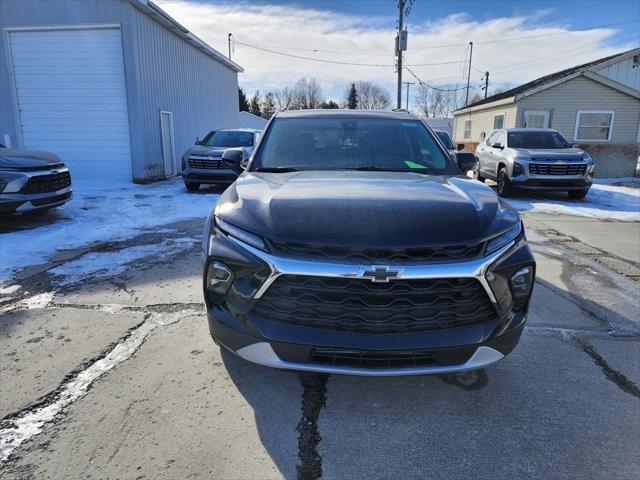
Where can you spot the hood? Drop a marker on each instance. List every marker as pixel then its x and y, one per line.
pixel 568 154
pixel 365 209
pixel 27 159
pixel 211 151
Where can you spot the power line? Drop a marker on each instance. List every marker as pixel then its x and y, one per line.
pixel 423 83
pixel 337 62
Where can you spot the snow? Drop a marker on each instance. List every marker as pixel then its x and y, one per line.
pixel 10 289
pixel 606 200
pixel 101 213
pixel 108 264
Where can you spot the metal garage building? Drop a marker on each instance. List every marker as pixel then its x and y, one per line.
pixel 116 88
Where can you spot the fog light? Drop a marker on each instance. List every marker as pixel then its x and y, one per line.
pixel 517 169
pixel 219 278
pixel 521 282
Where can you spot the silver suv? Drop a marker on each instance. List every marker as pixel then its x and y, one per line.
pixel 534 159
pixel 202 163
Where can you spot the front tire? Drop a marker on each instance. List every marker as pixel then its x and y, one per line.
pixel 578 194
pixel 192 187
pixel 504 188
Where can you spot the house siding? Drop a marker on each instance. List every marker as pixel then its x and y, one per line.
pixel 482 121
pixel 616 157
pixel 622 72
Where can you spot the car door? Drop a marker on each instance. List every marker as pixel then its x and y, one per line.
pixel 497 153
pixel 483 153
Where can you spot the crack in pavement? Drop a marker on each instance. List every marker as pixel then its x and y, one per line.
pixel 314 397
pixel 572 336
pixel 23 425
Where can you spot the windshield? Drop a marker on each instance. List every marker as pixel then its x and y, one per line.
pixel 340 143
pixel 445 139
pixel 230 138
pixel 536 140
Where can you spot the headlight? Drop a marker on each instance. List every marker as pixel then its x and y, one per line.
pixel 246 237
pixel 587 157
pixel 504 238
pixel 2 185
pixel 517 169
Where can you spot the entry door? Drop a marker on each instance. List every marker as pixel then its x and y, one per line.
pixel 166 135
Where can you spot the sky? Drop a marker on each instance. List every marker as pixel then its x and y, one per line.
pixel 515 40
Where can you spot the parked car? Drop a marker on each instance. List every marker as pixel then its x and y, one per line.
pixel 534 159
pixel 202 163
pixel 32 181
pixel 353 243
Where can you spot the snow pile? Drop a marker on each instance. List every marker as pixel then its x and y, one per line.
pixel 605 200
pixel 101 214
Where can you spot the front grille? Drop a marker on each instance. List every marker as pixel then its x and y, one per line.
pixel 359 305
pixel 557 169
pixel 206 163
pixel 46 201
pixel 451 253
pixel 391 359
pixel 46 183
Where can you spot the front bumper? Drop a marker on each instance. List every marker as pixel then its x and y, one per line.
pixel 234 324
pixel 531 181
pixel 209 177
pixel 15 198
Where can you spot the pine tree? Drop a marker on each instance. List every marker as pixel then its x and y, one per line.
pixel 254 106
pixel 268 106
pixel 352 97
pixel 243 102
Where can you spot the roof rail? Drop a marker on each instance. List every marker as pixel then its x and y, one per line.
pixel 400 110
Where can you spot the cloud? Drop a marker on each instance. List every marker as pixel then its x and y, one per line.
pixel 367 39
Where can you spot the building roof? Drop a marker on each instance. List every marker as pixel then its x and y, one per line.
pixel 547 79
pixel 166 20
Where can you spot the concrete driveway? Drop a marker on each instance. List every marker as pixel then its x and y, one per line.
pixel 108 371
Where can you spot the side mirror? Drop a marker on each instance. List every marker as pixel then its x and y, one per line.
pixel 497 145
pixel 198 141
pixel 460 147
pixel 466 161
pixel 233 160
pixel 574 145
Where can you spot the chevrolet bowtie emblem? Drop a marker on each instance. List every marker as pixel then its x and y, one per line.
pixel 380 274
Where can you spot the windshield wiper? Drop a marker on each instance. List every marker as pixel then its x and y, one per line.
pixel 380 169
pixel 276 169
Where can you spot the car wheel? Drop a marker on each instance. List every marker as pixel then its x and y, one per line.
pixel 192 187
pixel 504 184
pixel 578 194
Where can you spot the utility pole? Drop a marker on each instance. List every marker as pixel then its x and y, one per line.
pixel 400 49
pixel 407 84
pixel 486 84
pixel 229 37
pixel 466 102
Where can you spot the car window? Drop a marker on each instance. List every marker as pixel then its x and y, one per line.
pixel 337 143
pixel 446 140
pixel 499 138
pixel 489 140
pixel 537 140
pixel 230 138
pixel 207 137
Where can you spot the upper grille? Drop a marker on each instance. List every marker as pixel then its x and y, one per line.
pixel 359 305
pixel 450 253
pixel 557 168
pixel 205 163
pixel 47 183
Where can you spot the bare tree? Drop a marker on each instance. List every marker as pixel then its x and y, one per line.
pixel 284 98
pixel 307 94
pixel 369 96
pixel 439 101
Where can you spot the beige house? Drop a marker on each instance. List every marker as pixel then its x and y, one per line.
pixel 595 105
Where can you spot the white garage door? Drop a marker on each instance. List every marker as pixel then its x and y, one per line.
pixel 72 99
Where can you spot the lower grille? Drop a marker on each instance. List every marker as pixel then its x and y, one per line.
pixel 391 359
pixel 207 164
pixel 46 183
pixel 48 200
pixel 359 305
pixel 557 169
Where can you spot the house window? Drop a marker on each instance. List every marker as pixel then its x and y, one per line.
pixel 536 119
pixel 498 122
pixel 467 129
pixel 594 126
